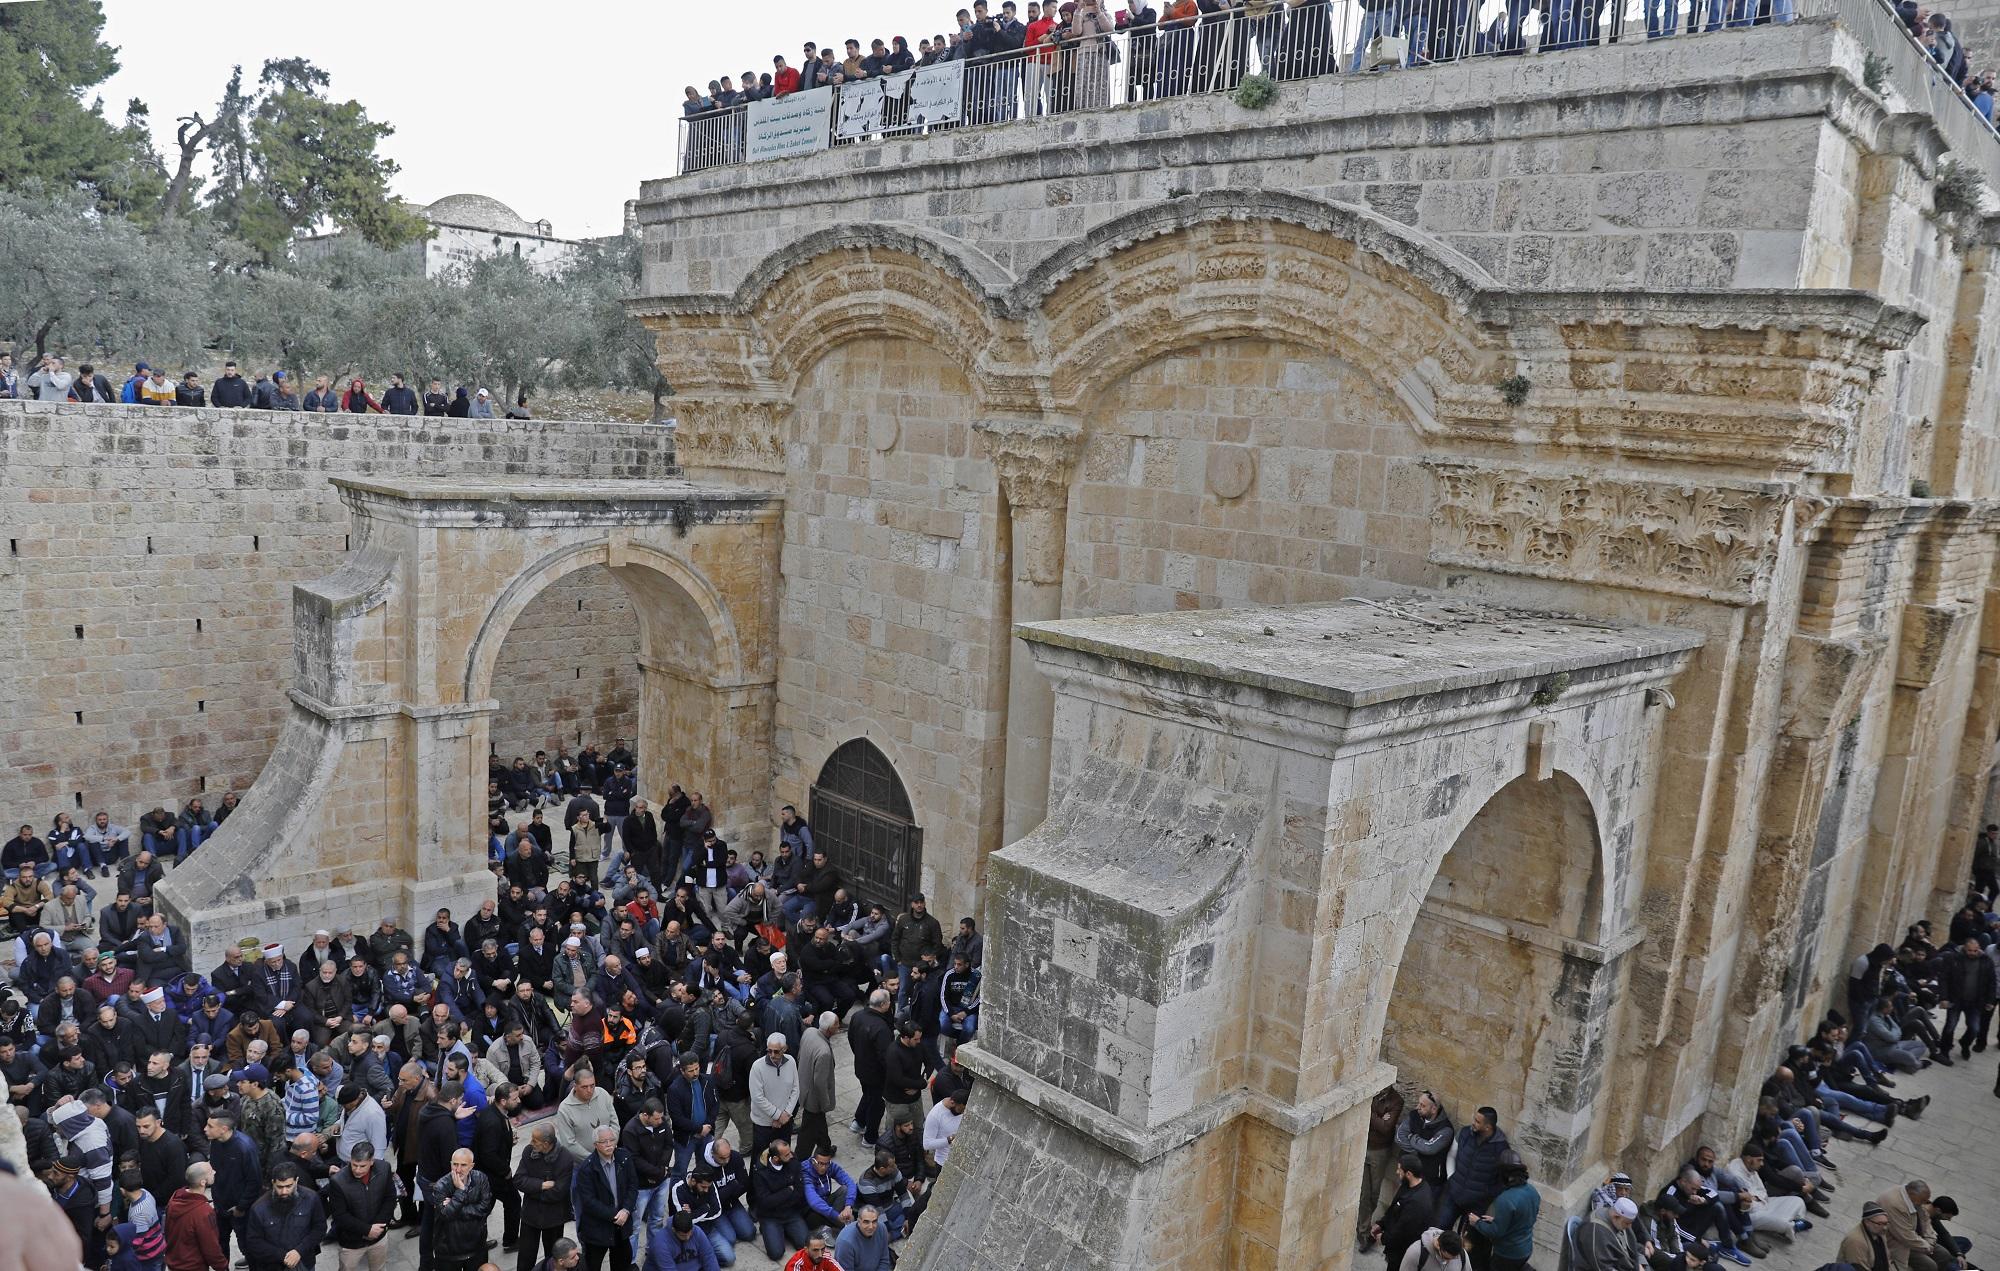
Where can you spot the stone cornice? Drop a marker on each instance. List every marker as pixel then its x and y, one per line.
pixel 1706 541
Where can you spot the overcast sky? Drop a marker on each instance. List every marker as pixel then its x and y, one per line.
pixel 557 110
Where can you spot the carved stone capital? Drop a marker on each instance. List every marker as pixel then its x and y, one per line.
pixel 1705 541
pixel 1034 458
pixel 729 433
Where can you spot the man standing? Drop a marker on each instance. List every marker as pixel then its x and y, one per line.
pixel 914 934
pixel 435 401
pixel 360 1202
pixel 903 1075
pixel 463 1200
pixel 493 1157
pixel 607 1191
pixel 1475 1170
pixel 691 1107
pixel 363 1122
pixel 1383 1115
pixel 1410 1211
pixel 193 1243
pixel 239 1173
pixel 399 398
pixel 1966 984
pixel 1510 1228
pixel 774 1094
pixel 816 1083
pixel 231 389
pixel 646 1139
pixel 285 1227
pixel 869 1040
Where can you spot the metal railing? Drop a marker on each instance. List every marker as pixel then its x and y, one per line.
pixel 1214 52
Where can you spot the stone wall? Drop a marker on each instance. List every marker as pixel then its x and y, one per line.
pixel 130 525
pixel 569 671
pixel 891 601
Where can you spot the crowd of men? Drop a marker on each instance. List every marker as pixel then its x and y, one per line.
pixel 1032 59
pixel 631 1071
pixel 615 1068
pixel 51 380
pixel 1459 1195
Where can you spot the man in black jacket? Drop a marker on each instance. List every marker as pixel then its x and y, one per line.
pixel 651 1146
pixel 543 1180
pixel 1966 985
pixel 903 1074
pixel 399 398
pixel 231 389
pixel 778 1200
pixel 163 1158
pixel 1411 1211
pixel 493 1156
pixel 285 1220
pixel 435 401
pixel 463 1200
pixel 869 1038
pixel 360 1201
pixel 606 1188
pixel 437 1139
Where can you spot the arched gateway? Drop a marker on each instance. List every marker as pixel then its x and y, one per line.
pixel 1255 816
pixel 373 801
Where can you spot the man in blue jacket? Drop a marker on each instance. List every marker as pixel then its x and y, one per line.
pixel 1475 1170
pixel 239 1173
pixel 679 1246
pixel 829 1188
pixel 605 1189
pixel 691 1107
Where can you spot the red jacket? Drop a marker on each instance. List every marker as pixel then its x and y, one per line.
pixel 785 81
pixel 192 1244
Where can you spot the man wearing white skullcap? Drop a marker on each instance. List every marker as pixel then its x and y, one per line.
pixel 272 986
pixel 774 1095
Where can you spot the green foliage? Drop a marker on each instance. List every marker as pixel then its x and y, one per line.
pixel 51 54
pixel 73 279
pixel 1514 389
pixel 1957 191
pixel 1551 690
pixel 1254 92
pixel 288 159
pixel 1874 72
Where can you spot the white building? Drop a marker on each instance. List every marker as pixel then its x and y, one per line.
pixel 471 227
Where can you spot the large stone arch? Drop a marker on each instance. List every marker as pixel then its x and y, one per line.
pixel 373 802
pixel 1248 808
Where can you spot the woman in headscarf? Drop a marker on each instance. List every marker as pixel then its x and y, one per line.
pixel 461 405
pixel 356 400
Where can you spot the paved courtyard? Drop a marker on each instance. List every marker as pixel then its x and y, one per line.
pixel 1955 1148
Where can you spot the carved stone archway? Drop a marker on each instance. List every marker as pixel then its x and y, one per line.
pixel 1190 961
pixel 374 801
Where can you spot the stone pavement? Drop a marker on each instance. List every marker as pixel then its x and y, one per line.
pixel 1955 1148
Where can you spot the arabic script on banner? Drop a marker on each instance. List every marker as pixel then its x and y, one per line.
pixel 781 127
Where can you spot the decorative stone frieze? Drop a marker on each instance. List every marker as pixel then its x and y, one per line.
pixel 1709 542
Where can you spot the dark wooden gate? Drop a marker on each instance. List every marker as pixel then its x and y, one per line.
pixel 861 815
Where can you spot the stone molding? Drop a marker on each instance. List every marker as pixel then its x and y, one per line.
pixel 745 435
pixel 1824 682
pixel 1706 542
pixel 1759 380
pixel 1035 459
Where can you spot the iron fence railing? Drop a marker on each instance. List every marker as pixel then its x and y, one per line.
pixel 1214 52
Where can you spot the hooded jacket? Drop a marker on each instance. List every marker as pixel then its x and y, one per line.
pixel 192 1243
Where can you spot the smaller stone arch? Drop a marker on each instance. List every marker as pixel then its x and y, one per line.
pixel 644 571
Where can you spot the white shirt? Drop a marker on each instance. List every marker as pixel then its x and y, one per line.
pixel 939 1127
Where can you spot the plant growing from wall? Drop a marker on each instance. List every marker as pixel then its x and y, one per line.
pixel 1514 389
pixel 1957 190
pixel 1552 688
pixel 1874 73
pixel 1255 92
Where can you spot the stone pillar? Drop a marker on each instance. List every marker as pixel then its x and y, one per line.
pixel 708 735
pixel 1035 460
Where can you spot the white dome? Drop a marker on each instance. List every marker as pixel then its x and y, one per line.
pixel 478 211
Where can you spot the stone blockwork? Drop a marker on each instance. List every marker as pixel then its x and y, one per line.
pixel 569 671
pixel 375 801
pixel 1670 332
pixel 134 523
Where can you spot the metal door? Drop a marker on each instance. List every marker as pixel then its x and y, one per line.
pixel 861 815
